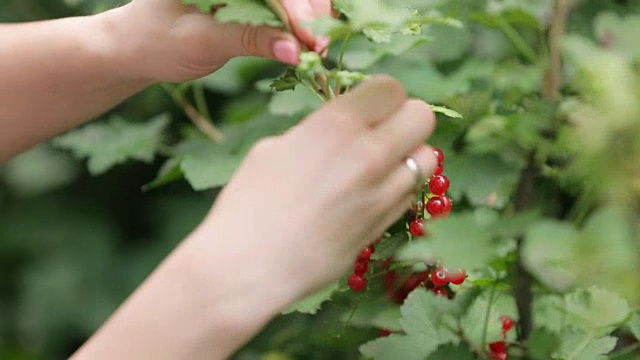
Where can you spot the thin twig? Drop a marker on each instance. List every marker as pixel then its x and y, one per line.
pixel 558 27
pixel 201 122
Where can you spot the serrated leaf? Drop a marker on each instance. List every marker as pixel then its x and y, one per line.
pixel 296 101
pixel 114 142
pixel 542 343
pixel 288 81
pixel 476 322
pixel 446 111
pixel 209 165
pixel 393 347
pixel 311 304
pixel 253 12
pixel 596 310
pixel 547 251
pixel 378 313
pixel 582 345
pixel 461 240
pixel 451 352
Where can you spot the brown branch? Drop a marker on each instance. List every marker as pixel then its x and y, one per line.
pixel 552 79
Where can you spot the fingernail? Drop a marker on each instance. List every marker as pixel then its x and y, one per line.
pixel 286 51
pixel 321 45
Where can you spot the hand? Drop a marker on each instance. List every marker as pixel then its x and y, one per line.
pixel 174 42
pixel 304 204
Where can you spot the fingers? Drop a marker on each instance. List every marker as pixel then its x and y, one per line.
pixel 368 104
pixel 406 129
pixel 300 13
pixel 262 41
pixel 401 181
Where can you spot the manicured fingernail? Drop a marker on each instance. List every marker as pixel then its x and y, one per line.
pixel 321 45
pixel 286 51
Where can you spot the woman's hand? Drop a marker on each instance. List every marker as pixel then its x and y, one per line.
pixel 175 42
pixel 311 199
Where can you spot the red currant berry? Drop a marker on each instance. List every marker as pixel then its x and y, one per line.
pixel 439 155
pixel 412 282
pixel 439 184
pixel 366 253
pixel 357 282
pixel 439 170
pixel 423 276
pixel 416 228
pixel 440 292
pixel 435 206
pixel 507 323
pixel 439 277
pixel 498 356
pixel 447 204
pixel 360 267
pixel 498 347
pixel 457 276
pixel 384 332
pixel 387 262
pixel 390 279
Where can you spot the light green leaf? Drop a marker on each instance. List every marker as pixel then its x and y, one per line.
pixel 254 12
pixel 292 102
pixel 483 312
pixel 547 251
pixel 209 165
pixel 451 352
pixel 313 303
pixel 461 240
pixel 446 111
pixel 394 347
pixel 582 345
pixel 542 343
pixel 114 142
pixel 596 310
pixel 378 313
pixel 618 33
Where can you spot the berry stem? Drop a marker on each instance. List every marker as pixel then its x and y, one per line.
pixel 487 315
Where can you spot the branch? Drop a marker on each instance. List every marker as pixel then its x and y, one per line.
pixel 199 120
pixel 558 27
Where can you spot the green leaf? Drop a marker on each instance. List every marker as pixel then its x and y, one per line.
pixel 482 321
pixel 390 245
pixel 582 345
pixel 596 310
pixel 461 240
pixel 446 111
pixel 253 12
pixel 209 165
pixel 300 100
pixel 427 321
pixel 547 251
pixel 542 343
pixel 634 325
pixel 618 33
pixel 288 81
pixel 114 142
pixel 313 303
pixel 378 313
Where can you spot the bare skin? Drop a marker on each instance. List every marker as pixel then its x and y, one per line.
pixel 228 278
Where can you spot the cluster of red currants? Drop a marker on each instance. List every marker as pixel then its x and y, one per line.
pixel 498 349
pixel 357 281
pixel 438 204
pixel 436 280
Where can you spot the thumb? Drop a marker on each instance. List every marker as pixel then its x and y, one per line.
pixel 262 41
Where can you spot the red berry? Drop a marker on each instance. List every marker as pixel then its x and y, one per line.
pixel 412 282
pixel 360 267
pixel 447 204
pixel 439 184
pixel 440 292
pixel 439 155
pixel 439 170
pixel 416 228
pixel 435 206
pixel 498 347
pixel 423 276
pixel 507 323
pixel 498 356
pixel 357 282
pixel 390 279
pixel 387 262
pixel 366 253
pixel 457 276
pixel 439 277
pixel 384 332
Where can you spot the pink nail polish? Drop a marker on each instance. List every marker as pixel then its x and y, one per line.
pixel 321 45
pixel 286 51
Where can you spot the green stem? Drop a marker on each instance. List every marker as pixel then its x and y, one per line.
pixel 517 40
pixel 204 125
pixel 201 101
pixel 343 50
pixel 485 329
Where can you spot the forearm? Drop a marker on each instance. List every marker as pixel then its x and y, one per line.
pixel 207 299
pixel 57 74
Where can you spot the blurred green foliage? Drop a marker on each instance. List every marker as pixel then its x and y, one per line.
pixel 73 246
